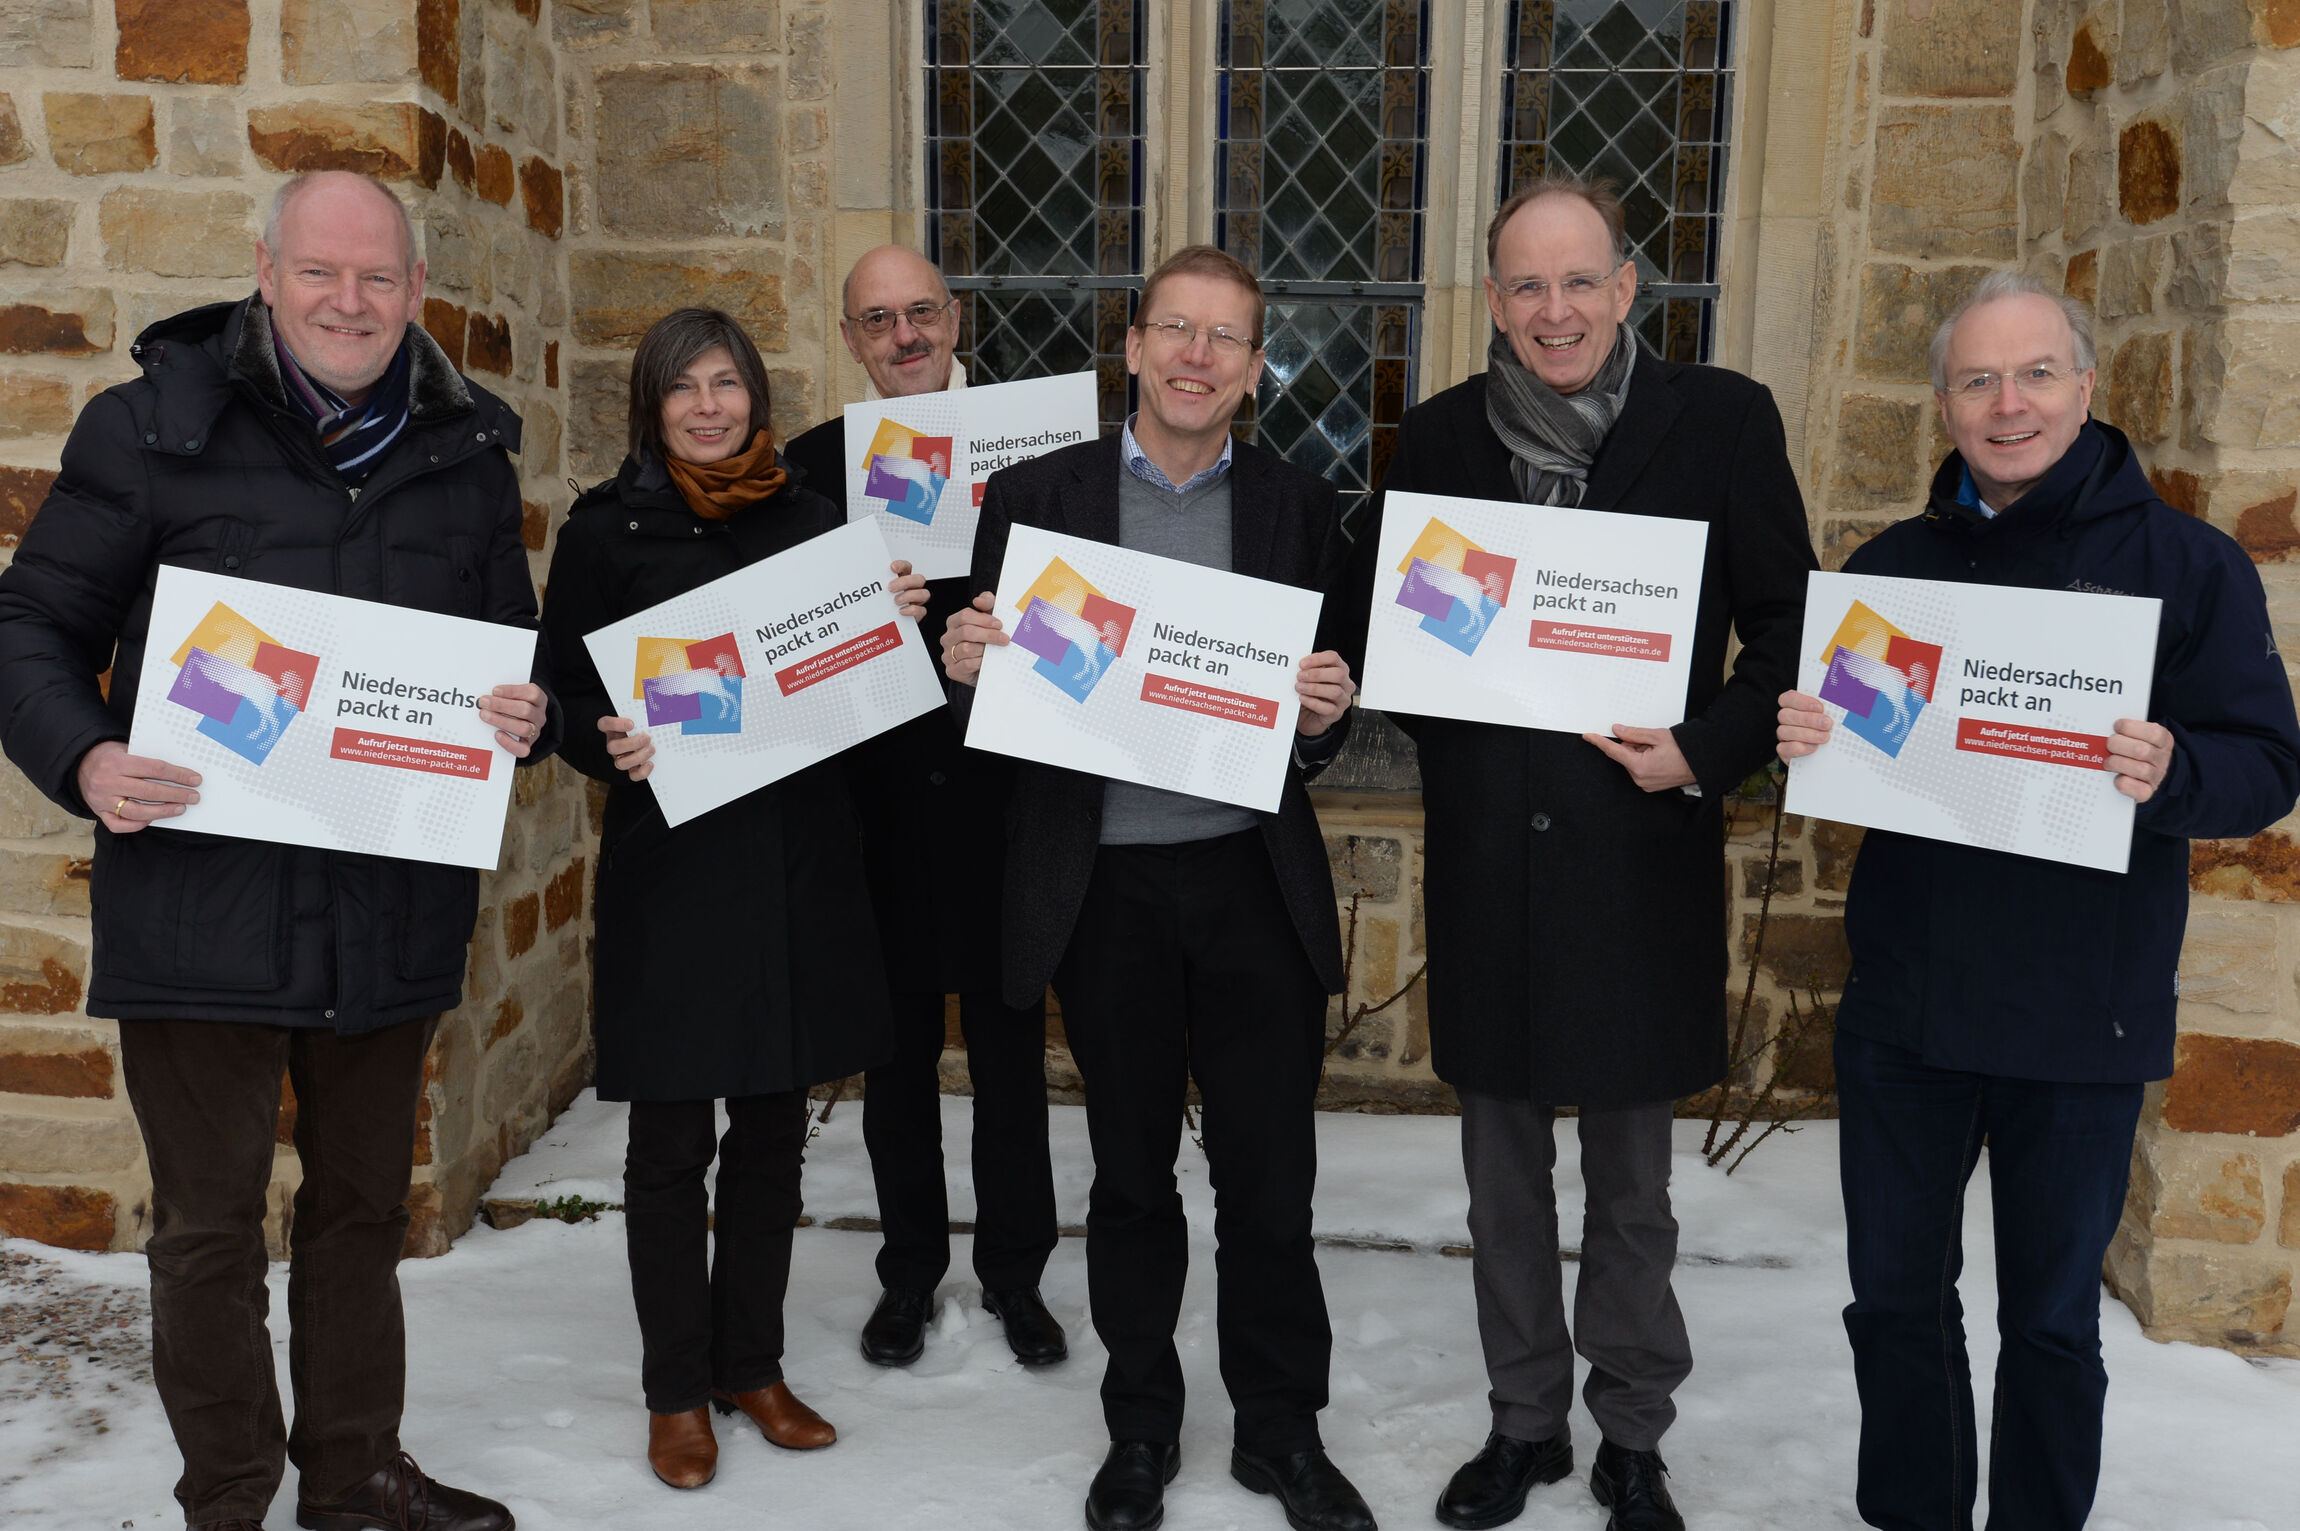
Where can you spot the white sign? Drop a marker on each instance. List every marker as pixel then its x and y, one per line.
pixel 917 465
pixel 321 720
pixel 1538 616
pixel 1144 669
pixel 1974 713
pixel 767 670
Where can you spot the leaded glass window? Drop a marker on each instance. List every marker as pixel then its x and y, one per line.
pixel 1321 178
pixel 1034 182
pixel 1639 91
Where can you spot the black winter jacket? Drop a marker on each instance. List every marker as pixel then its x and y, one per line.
pixel 1993 963
pixel 201 463
pixel 735 954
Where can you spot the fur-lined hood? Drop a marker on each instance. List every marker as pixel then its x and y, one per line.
pixel 196 362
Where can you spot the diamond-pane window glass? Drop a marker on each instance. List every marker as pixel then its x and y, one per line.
pixel 1321 178
pixel 1034 182
pixel 1638 91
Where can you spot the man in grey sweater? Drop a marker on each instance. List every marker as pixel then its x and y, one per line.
pixel 1187 939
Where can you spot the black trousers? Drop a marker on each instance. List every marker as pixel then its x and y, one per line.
pixel 1014 1229
pixel 207 1097
pixel 709 1289
pixel 1184 965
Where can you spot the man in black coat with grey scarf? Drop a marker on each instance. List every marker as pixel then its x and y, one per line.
pixel 1575 887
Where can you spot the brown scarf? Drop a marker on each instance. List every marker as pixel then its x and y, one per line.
pixel 716 490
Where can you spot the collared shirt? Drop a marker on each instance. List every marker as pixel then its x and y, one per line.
pixel 1139 464
pixel 1968 493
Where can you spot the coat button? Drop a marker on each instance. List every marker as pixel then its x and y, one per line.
pixel 482 435
pixel 634 526
pixel 232 561
pixel 1541 821
pixel 192 445
pixel 330 1015
pixel 435 457
pixel 150 437
pixel 936 777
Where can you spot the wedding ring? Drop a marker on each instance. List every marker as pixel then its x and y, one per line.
pixel 119 809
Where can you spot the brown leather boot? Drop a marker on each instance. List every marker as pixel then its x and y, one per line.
pixel 780 1416
pixel 681 1448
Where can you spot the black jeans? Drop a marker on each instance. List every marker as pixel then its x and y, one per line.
pixel 711 1317
pixel 1184 965
pixel 2059 1156
pixel 207 1097
pixel 1014 1229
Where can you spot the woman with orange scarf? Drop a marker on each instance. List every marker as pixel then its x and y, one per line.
pixel 735 956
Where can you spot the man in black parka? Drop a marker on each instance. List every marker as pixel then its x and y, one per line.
pixel 924 799
pixel 2015 1001
pixel 312 436
pixel 1575 887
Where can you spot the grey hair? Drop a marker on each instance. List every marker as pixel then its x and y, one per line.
pixel 295 185
pixel 2014 284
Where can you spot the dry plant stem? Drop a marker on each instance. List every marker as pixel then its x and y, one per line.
pixel 1736 1052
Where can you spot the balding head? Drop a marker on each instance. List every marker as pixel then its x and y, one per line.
pixel 907 356
pixel 337 266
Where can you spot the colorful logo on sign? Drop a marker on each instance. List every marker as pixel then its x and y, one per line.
pixel 907 471
pixel 698 686
pixel 1881 676
pixel 246 685
pixel 1075 630
pixel 1457 586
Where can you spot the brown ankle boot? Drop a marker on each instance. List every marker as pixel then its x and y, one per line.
pixel 781 1418
pixel 681 1448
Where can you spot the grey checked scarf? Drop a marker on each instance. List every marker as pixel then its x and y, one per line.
pixel 1552 436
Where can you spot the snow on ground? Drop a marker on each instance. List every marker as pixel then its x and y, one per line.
pixel 523 1365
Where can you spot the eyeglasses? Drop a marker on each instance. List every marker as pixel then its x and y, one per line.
pixel 1578 288
pixel 2034 382
pixel 921 316
pixel 1176 334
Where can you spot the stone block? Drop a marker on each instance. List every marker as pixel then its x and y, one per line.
pixel 487 346
pixel 456 250
pixel 1834 848
pixel 539 447
pixel 21 491
pixel 1365 865
pixel 2129 272
pixel 178 233
pixel 445 322
pixel 1841 538
pixel 2265 529
pixel 2144 41
pixel 40 969
pixel 563 895
pixel 46 876
pixel 598 407
pixel 2229 960
pixel 146 309
pixel 2215 1197
pixel 34 231
pixel 522 81
pixel 544 193
pixel 2043 187
pixel 471 49
pixel 1802 952
pixel 509 1012
pixel 329 42
pixel 185 44
pixel 792 391
pixel 551 367
pixel 2089 68
pixel 2265 868
pixel 1951 48
pixel 100 135
pixel 384 139
pixel 59 1216
pixel 67 1138
pixel 2211 142
pixel 717 26
pixel 206 136
pixel 1788 877
pixel 2249 391
pixel 2140 401
pixel 1947 182
pixel 2244 1085
pixel 55 1061
pixel 33 406
pixel 2178 488
pixel 439 45
pixel 46 34
pixel 24 813
pixel 686 150
pixel 2081 279
pixel 1901 306
pixel 493 177
pixel 2086 205
pixel 14 148
pixel 460 161
pixel 2147 171
pixel 522 917
pixel 534 525
pixel 810 55
pixel 2229 1298
pixel 2288 1227
pixel 2204 30
pixel 1877 448
pixel 618 294
pixel 581 22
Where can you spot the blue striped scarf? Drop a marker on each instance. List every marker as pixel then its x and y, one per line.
pixel 353 436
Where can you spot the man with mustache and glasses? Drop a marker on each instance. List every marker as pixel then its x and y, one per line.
pixel 1942 1044
pixel 1575 886
pixel 1187 939
pixel 929 805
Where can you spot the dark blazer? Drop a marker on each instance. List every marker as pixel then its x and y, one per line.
pixel 735 954
pixel 1576 924
pixel 928 805
pixel 1991 963
pixel 200 462
pixel 1285 526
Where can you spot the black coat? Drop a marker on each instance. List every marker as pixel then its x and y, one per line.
pixel 201 463
pixel 1991 963
pixel 929 806
pixel 1285 525
pixel 735 954
pixel 1576 924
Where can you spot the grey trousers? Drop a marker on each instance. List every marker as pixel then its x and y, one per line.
pixel 1625 1318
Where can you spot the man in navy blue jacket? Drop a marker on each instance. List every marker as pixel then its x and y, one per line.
pixel 2021 1003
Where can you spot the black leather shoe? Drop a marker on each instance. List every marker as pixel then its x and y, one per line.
pixel 896 1333
pixel 1037 1338
pixel 1629 1483
pixel 1316 1495
pixel 1490 1488
pixel 400 1498
pixel 239 1523
pixel 1129 1488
